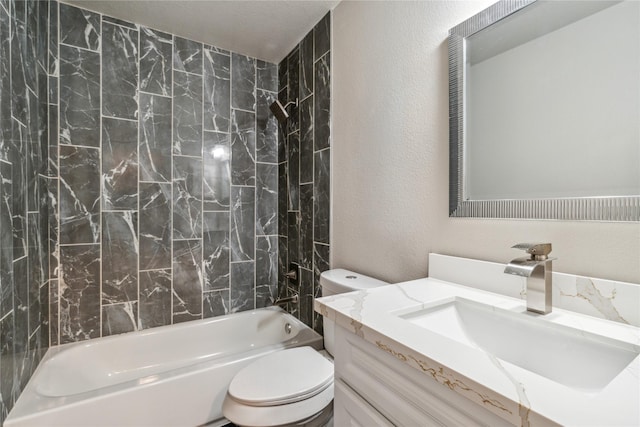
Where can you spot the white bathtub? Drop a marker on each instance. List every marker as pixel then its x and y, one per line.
pixel 169 376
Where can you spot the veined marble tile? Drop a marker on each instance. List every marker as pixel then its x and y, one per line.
pixel 306 140
pixel 53 235
pixel 187 280
pixel 283 196
pixel 217 171
pixel 53 38
pixel 54 332
pixel 5 84
pixel 79 195
pixel 282 130
pixel 294 220
pixel 266 199
pixel 6 240
pixel 306 296
pixel 322 36
pixel 216 250
pixel 7 372
pixel 119 318
pixel 79 97
pixel 52 165
pixel 242 286
pixel 266 76
pixel 243 148
pixel 117 21
pixel 266 270
pixel 243 82
pixel 36 269
pixel 306 226
pixel 306 66
pixel 155 138
pixel 79 27
pixel 119 71
pixel 320 264
pixel 321 196
pixel 187 55
pixel 187 114
pixel 293 171
pixel 155 226
pixel 79 293
pixel 119 164
pixel 217 91
pixel 293 89
pixel 19 182
pixel 119 257
pixel 322 103
pixel 215 303
pixel 266 128
pixel 187 197
pixel 242 223
pixel 155 298
pixel 283 264
pixel 156 50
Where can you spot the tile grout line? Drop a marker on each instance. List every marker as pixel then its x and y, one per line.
pixel 101 183
pixel 138 321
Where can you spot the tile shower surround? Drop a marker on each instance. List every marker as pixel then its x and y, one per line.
pixel 24 230
pixel 143 188
pixel 304 168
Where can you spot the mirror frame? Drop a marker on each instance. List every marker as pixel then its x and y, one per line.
pixel 615 208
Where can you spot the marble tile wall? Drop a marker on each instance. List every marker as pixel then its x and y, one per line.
pixel 165 155
pixel 304 153
pixel 24 183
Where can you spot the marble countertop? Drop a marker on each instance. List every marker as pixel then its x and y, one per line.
pixel 513 393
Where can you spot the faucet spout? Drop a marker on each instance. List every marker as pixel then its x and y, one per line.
pixel 538 271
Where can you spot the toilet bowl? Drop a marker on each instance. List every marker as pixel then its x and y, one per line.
pixel 294 386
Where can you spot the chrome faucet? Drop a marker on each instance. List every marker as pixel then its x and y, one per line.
pixel 286 300
pixel 537 268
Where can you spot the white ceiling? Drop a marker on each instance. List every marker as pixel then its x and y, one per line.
pixel 263 29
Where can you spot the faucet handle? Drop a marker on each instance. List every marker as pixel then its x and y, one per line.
pixel 538 251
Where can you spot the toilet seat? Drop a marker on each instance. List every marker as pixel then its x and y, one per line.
pixel 281 388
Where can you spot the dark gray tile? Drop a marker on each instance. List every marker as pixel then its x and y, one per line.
pixel 322 36
pixel 19 183
pixel 283 76
pixel 52 166
pixel 217 49
pixel 187 55
pixel 119 71
pixel 187 197
pixel 242 223
pixel 6 240
pixel 282 130
pixel 283 196
pixel 306 296
pixel 242 287
pixel 266 129
pixel 306 140
pixel 7 371
pixel 79 97
pixel 215 303
pixel 306 66
pixel 155 226
pixel 53 93
pixel 283 264
pixel 79 293
pixel 155 298
pixel 215 251
pixel 119 257
pixel 155 138
pixel 187 280
pixel 217 89
pixel 117 21
pixel 321 196
pixel 266 199
pixel 53 214
pixel 243 81
pixel 156 50
pixel 119 318
pixel 187 114
pixel 293 236
pixel 267 76
pixel 243 148
pixel 53 38
pixel 36 269
pixel 217 171
pixel 306 226
pixel 119 164
pixel 293 63
pixel 54 331
pixel 79 27
pixel 293 172
pixel 322 104
pixel 79 195
pixel 266 270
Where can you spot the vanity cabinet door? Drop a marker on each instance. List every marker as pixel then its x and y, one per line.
pixel 349 409
pixel 399 393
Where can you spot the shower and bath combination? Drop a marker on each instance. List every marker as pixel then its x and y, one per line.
pixel 280 111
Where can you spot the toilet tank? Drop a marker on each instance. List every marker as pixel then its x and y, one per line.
pixel 339 281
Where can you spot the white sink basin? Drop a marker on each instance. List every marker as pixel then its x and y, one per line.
pixel 562 354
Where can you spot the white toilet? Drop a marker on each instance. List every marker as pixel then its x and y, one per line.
pixel 293 386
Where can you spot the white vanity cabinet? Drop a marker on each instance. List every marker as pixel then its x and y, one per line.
pixel 375 388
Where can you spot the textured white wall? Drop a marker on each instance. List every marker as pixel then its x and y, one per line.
pixel 390 156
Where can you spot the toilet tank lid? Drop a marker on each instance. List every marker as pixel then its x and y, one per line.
pixel 340 280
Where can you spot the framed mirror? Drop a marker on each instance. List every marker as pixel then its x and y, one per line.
pixel 544 111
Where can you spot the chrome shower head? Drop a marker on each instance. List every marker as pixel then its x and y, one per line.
pixel 280 111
